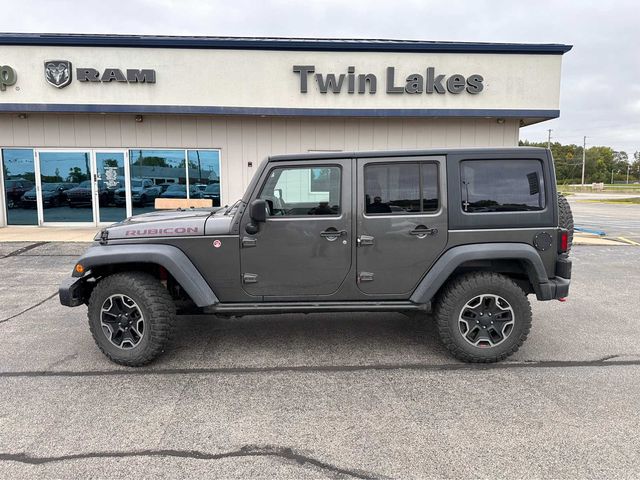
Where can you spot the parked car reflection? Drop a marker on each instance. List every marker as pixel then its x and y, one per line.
pixel 143 191
pixel 15 189
pixel 213 192
pixel 180 191
pixel 80 196
pixel 53 195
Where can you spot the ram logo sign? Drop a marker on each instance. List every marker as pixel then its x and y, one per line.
pixel 57 72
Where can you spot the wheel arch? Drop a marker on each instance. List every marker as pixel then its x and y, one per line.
pixel 145 257
pixel 519 261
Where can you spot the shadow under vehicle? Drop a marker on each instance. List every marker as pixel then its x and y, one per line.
pixel 53 195
pixel 466 234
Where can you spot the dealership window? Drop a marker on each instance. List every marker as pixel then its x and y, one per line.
pixel 163 173
pixel 295 191
pixel 502 186
pixel 401 188
pixel 18 173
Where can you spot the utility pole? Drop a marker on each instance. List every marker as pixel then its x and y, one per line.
pixel 628 167
pixel 584 156
pixel 549 139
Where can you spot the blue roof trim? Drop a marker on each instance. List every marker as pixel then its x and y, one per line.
pixel 279 112
pixel 297 44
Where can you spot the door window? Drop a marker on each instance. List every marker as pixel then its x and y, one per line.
pixel 19 186
pixel 401 188
pixel 295 191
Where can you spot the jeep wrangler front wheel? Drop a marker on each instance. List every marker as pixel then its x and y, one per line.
pixel 483 317
pixel 130 317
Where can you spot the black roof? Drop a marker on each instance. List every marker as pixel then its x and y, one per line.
pixel 277 43
pixel 405 153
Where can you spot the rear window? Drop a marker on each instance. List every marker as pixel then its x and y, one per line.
pixel 502 186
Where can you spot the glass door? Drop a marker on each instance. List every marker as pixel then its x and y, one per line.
pixel 65 187
pixel 111 186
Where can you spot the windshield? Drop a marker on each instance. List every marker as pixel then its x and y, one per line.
pixel 47 187
pixel 215 187
pixel 176 188
pixel 136 183
pixel 85 184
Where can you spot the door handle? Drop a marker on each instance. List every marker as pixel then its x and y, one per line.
pixel 421 231
pixel 333 233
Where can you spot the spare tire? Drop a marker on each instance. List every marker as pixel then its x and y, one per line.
pixel 565 218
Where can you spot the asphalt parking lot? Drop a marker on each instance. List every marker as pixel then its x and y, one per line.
pixel 320 396
pixel 616 220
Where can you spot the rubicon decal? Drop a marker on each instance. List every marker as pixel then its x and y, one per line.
pixel 431 81
pixel 169 231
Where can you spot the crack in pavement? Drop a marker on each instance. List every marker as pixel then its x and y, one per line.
pixel 602 362
pixel 283 453
pixel 29 308
pixel 24 249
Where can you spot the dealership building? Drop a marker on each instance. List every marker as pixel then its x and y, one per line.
pixel 95 128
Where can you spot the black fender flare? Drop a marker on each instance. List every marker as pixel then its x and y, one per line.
pixel 453 258
pixel 168 256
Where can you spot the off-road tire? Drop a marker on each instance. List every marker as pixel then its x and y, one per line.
pixel 463 289
pixel 154 301
pixel 565 218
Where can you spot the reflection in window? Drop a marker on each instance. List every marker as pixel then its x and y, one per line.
pixel 163 168
pixel 289 191
pixel 204 175
pixel 502 186
pixel 19 179
pixel 401 188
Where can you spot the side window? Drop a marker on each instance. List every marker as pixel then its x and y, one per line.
pixel 400 188
pixel 299 191
pixel 502 186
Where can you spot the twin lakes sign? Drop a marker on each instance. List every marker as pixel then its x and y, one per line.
pixel 59 73
pixel 416 83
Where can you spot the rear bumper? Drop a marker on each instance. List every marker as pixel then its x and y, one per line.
pixel 71 292
pixel 557 287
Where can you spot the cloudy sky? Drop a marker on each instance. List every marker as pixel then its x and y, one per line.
pixel 600 80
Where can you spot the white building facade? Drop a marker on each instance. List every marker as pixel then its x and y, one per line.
pixel 94 128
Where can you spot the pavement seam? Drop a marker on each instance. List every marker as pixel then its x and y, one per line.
pixel 24 249
pixel 29 308
pixel 283 453
pixel 603 362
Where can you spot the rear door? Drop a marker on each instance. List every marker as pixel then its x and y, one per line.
pixel 304 247
pixel 401 221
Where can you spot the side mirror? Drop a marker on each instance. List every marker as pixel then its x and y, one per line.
pixel 258 214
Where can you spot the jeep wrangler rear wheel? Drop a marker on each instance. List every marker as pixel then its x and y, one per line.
pixel 483 317
pixel 130 317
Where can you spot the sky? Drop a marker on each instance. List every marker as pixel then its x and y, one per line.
pixel 600 95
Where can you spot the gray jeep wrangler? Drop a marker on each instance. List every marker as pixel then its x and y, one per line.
pixel 465 233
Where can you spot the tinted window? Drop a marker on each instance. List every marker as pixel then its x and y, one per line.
pixel 502 186
pixel 401 188
pixel 302 191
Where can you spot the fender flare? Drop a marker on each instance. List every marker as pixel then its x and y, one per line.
pixel 168 256
pixel 453 258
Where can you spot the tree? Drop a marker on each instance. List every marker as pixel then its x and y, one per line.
pixel 151 162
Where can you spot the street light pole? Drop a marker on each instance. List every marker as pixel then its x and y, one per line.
pixel 628 167
pixel 584 148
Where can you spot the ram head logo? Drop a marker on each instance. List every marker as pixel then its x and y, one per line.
pixel 58 72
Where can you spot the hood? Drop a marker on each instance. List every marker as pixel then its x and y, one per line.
pixel 165 223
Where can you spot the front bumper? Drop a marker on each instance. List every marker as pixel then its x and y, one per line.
pixel 71 292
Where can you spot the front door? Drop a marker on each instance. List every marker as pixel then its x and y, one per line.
pixel 401 222
pixel 304 247
pixel 111 194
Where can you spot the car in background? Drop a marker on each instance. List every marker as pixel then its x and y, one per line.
pixel 15 189
pixel 80 196
pixel 213 192
pixel 164 186
pixel 53 195
pixel 143 191
pixel 180 191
